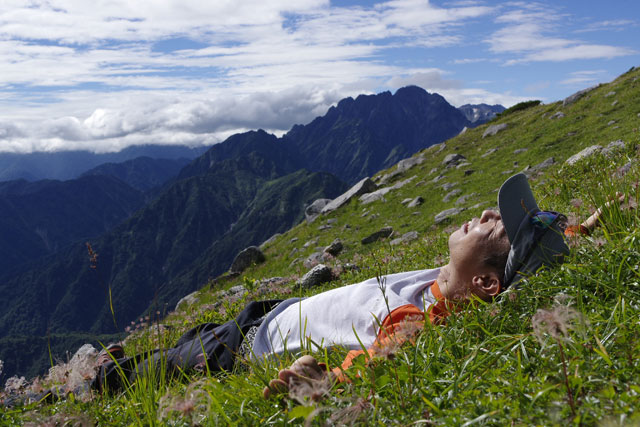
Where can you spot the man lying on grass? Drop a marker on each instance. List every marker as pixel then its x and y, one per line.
pixel 487 255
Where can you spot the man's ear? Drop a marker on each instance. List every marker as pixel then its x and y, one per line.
pixel 486 285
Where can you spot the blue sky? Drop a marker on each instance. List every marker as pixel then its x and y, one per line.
pixel 106 74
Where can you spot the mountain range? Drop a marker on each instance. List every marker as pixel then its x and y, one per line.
pixel 188 228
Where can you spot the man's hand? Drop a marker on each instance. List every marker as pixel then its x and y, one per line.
pixel 304 371
pixel 593 220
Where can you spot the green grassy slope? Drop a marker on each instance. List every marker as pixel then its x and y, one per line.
pixel 505 362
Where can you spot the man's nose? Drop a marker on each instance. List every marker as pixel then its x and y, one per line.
pixel 488 215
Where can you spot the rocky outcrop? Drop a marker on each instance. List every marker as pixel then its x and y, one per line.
pixel 362 187
pixel 587 152
pixel 316 276
pixel 380 193
pixel 405 238
pixel 246 258
pixel 402 166
pixel 494 129
pixel 312 211
pixel 446 214
pixel 453 159
pixel 573 98
pixel 380 234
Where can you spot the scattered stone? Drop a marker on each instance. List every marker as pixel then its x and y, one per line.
pixel 573 98
pixel 293 252
pixel 382 233
pixel 316 276
pixel 530 171
pixel 187 301
pixel 405 238
pixel 246 258
pixel 450 195
pixel 313 259
pixel 622 170
pixel 489 152
pixel 520 150
pixel 478 205
pixel 613 146
pixel 434 170
pixel 463 199
pixel 362 187
pixel 346 227
pixel 416 202
pixel 405 201
pixel 494 129
pixel 293 240
pixel 334 248
pixel 453 159
pixel 374 216
pixel 447 186
pixel 421 182
pixel 295 261
pixel 402 166
pixel 589 151
pixel 571 133
pixel 614 103
pixel 557 115
pixel 311 242
pixel 312 211
pixel 507 172
pixel 463 131
pixel 380 193
pixel 270 240
pixel 611 122
pixel 613 92
pixel 325 227
pixel 440 146
pixel 468 172
pixel 463 165
pixel 446 214
pixel 437 178
pixel 365 213
pixel 332 221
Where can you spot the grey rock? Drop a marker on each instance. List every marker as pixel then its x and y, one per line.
pixel 325 227
pixel 489 152
pixel 362 187
pixel 468 172
pixel 463 131
pixel 293 240
pixel 494 129
pixel 405 238
pixel 614 103
pixel 332 221
pixel 313 259
pixel 405 201
pixel 446 214
pixel 380 193
pixel 589 151
pixel 571 133
pixel 334 248
pixel 529 171
pixel 520 150
pixel 478 205
pixel 463 199
pixel 453 159
pixel 293 252
pixel 573 98
pixel 311 242
pixel 624 169
pixel 186 301
pixel 380 234
pixel 440 147
pixel 316 276
pixel 463 165
pixel 450 195
pixel 416 202
pixel 437 178
pixel 557 115
pixel 270 240
pixel 611 122
pixel 613 146
pixel 312 211
pixel 434 170
pixel 295 262
pixel 448 186
pixel 402 166
pixel 246 258
pixel 613 92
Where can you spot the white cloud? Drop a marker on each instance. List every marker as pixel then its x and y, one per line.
pixel 583 78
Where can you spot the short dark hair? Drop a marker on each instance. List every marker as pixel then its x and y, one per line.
pixel 497 260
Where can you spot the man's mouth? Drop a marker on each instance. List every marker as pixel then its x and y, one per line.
pixel 465 227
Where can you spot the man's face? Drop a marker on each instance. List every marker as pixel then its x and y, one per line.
pixel 475 240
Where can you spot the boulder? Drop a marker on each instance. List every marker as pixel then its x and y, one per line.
pixel 187 300
pixel 312 211
pixel 313 259
pixel 613 146
pixel 573 98
pixel 362 187
pixel 334 248
pixel 380 193
pixel 382 233
pixel 589 151
pixel 405 238
pixel 450 195
pixel 402 166
pixel 246 258
pixel 416 202
pixel 316 276
pixel 494 129
pixel 453 159
pixel 446 214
